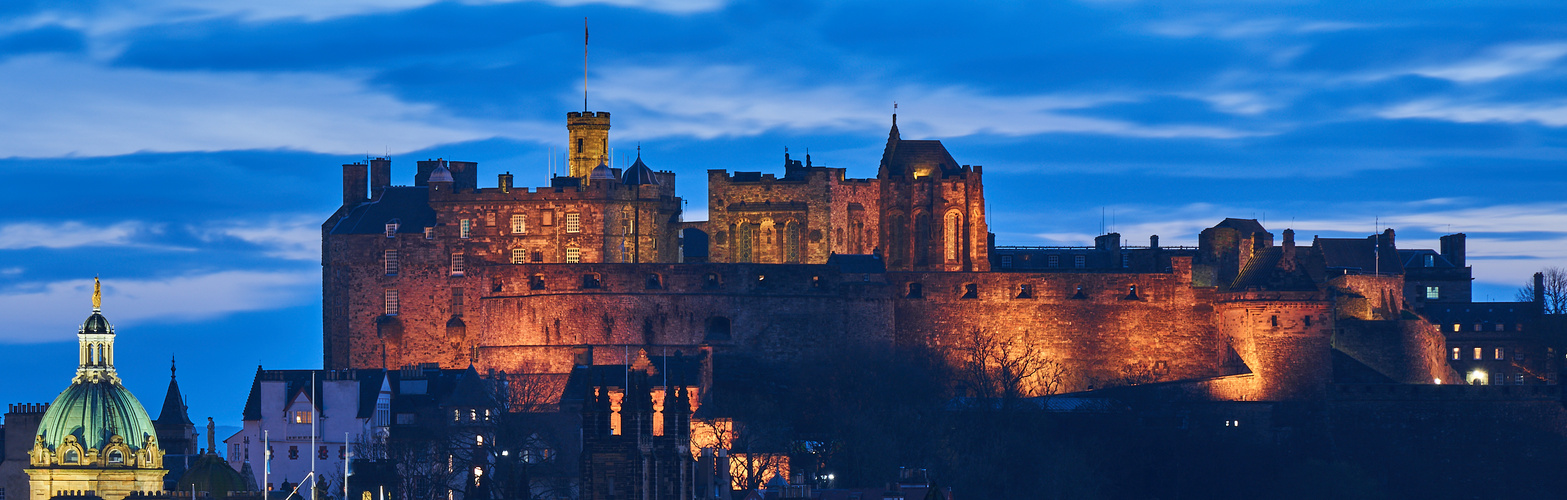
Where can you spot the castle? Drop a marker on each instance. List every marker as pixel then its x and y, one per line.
pixel 600 264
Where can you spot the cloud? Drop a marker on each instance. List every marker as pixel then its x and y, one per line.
pixel 1553 114
pixel 1223 27
pixel 719 101
pixel 1498 62
pixel 288 237
pixel 69 234
pixel 51 311
pixel 70 111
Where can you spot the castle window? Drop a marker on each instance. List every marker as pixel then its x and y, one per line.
pixel 429 233
pixel 391 302
pixel 573 222
pixel 70 457
pixel 1079 261
pixel 519 224
pixel 293 453
pixel 1433 292
pixel 115 457
pixel 712 280
pixel 816 283
pixel 302 417
pixel 457 305
pixel 1273 320
pixel 718 329
pixel 391 228
pixel 952 235
pixel 791 242
pixel 1498 353
pixel 655 282
pixel 1456 353
pixel 321 453
pixel 970 291
pixel 478 441
pixel 389 259
pixel 1478 352
pixel 538 256
pixel 1457 327
pixel 547 218
pixel 916 291
pixel 536 282
pixel 519 256
pixel 743 237
pixel 1430 261
pixel 1477 327
pixel 1306 319
pixel 457 264
pixel 1131 293
pixel 1500 327
pixel 590 280
pixel 465 227
pixel 489 219
pixel 1052 261
pixel 626 226
pixel 1025 291
pixel 1006 261
pixel 579 145
pixel 573 255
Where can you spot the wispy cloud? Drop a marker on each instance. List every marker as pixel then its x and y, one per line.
pixel 1553 114
pixel 1498 62
pixel 70 113
pixel 70 234
pixel 50 311
pixel 295 237
pixel 718 101
pixel 1225 27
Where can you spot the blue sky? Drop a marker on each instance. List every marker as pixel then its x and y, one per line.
pixel 187 151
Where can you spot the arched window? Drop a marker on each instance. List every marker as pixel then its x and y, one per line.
pixel 922 239
pixel 590 280
pixel 916 291
pixel 712 280
pixel 898 241
pixel 791 242
pixel 718 329
pixel 115 457
pixel 953 235
pixel 744 237
pixel 71 457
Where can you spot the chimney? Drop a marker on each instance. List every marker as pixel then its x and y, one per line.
pixel 353 184
pixel 1287 261
pixel 1453 248
pixel 380 176
pixel 1153 242
pixel 1539 293
pixel 1387 238
pixel 505 182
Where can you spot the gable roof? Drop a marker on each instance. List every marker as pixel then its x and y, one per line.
pixel 901 155
pixel 409 206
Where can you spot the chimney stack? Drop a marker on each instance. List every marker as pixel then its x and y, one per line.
pixel 380 176
pixel 1539 293
pixel 1453 248
pixel 353 184
pixel 1153 242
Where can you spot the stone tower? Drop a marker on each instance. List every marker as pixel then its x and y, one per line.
pixel 932 209
pixel 588 141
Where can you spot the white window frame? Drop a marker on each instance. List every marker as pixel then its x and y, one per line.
pixel 464 228
pixel 458 264
pixel 1433 292
pixel 519 224
pixel 519 255
pixel 573 255
pixel 391 229
pixel 573 222
pixel 391 302
pixel 389 259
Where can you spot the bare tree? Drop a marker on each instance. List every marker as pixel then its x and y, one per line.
pixel 997 366
pixel 1555 290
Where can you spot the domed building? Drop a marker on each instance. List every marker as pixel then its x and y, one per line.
pixel 95 436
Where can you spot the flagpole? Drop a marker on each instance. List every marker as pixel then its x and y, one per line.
pixel 584 64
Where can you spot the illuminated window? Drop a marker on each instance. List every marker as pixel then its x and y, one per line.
pixel 626 226
pixel 115 457
pixel 573 255
pixel 465 227
pixel 391 229
pixel 391 302
pixel 519 224
pixel 1478 352
pixel 1430 261
pixel 1456 353
pixel 302 417
pixel 1498 353
pixel 573 222
pixel 457 264
pixel 1080 261
pixel 518 255
pixel 429 233
pixel 1433 292
pixel 1477 327
pixel 1457 327
pixel 456 415
pixel 953 233
pixel 390 259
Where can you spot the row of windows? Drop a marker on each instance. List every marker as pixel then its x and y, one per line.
pixel 1078 261
pixel 519 223
pixel 321 453
pixel 1024 291
pixel 1478 353
pixel 1497 327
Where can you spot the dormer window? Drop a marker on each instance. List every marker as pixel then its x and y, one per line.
pixel 115 457
pixel 302 417
pixel 71 457
pixel 391 228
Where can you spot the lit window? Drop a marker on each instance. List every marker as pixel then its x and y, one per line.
pixel 1430 262
pixel 1080 261
pixel 1456 353
pixel 391 302
pixel 518 256
pixel 1500 327
pixel 1433 292
pixel 429 233
pixel 573 255
pixel 519 224
pixel 465 227
pixel 573 222
pixel 457 264
pixel 302 417
pixel 1478 352
pixel 390 257
pixel 1499 353
pixel 456 415
pixel 391 229
pixel 1457 327
pixel 478 440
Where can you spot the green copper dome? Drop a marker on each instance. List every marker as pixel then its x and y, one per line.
pixel 93 412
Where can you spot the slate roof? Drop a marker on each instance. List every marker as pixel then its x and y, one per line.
pixel 1417 259
pixel 1348 370
pixel 173 412
pixel 409 206
pixel 638 174
pixel 1359 253
pixel 902 154
pixel 1263 271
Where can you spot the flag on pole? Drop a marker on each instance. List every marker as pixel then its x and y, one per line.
pixel 584 31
